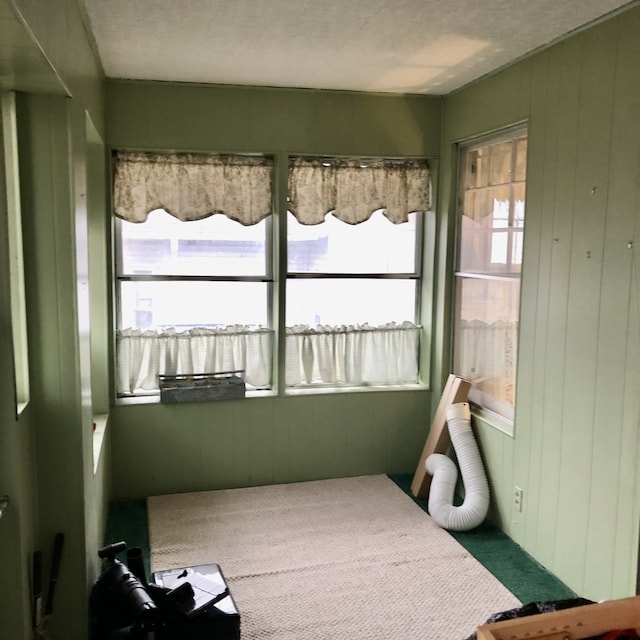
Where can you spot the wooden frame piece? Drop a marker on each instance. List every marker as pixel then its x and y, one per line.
pixel 438 441
pixel 568 624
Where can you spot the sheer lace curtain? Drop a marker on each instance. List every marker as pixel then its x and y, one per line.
pixel 352 355
pixel 488 358
pixel 143 355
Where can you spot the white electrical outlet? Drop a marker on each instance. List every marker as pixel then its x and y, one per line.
pixel 517 498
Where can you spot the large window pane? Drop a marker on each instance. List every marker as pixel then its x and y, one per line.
pixel 491 218
pixel 374 246
pixel 485 340
pixel 184 305
pixel 334 302
pixel 164 245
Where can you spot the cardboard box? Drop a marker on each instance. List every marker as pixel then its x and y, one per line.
pixel 576 623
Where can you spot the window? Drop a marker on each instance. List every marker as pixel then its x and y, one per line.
pixel 193 273
pixel 15 297
pixel 491 212
pixel 196 290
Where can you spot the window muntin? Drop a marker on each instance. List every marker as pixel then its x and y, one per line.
pixel 491 218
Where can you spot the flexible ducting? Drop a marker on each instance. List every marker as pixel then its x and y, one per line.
pixel 474 508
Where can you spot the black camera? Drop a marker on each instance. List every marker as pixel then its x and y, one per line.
pixel 192 603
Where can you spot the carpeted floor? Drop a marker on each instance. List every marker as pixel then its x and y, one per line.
pixel 517 571
pixel 304 560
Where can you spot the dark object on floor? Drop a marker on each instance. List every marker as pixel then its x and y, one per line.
pixel 122 604
pixel 220 620
pixel 534 608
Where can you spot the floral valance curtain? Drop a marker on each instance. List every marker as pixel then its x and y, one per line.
pixel 192 186
pixel 354 189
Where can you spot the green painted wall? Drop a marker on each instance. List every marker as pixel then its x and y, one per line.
pixel 575 448
pixel 576 436
pixel 160 449
pixel 163 449
pixel 49 471
pixel 148 115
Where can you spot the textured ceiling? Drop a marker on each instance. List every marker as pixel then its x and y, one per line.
pixel 397 46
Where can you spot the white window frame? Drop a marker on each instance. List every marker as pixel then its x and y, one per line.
pixel 15 297
pixel 502 422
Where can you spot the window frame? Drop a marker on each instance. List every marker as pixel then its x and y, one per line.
pixel 12 238
pixel 503 423
pixel 276 277
pixel 416 274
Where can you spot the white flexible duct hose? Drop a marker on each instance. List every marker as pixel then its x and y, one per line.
pixel 474 509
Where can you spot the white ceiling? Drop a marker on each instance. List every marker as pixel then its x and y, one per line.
pixel 395 46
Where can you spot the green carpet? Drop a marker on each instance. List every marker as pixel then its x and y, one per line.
pixel 127 521
pixel 507 561
pixel 527 579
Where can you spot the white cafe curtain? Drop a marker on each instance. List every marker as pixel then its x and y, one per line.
pixel 143 355
pixel 352 355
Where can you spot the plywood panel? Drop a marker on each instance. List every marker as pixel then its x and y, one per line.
pixel 455 390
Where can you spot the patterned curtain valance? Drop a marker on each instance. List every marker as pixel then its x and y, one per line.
pixel 192 186
pixel 354 189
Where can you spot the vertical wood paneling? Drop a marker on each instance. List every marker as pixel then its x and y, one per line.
pixel 533 310
pixel 583 313
pixel 576 439
pixel 563 107
pixel 544 469
pixel 621 287
pixel 614 295
pixel 191 447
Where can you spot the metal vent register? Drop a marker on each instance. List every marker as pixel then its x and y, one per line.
pixel 201 387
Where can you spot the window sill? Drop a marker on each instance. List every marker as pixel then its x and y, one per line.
pixel 100 422
pixel 368 389
pixel 494 420
pixel 154 398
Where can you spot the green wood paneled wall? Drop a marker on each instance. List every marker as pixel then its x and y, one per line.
pixel 156 115
pixel 51 485
pixel 175 448
pixel 575 448
pixel 163 449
